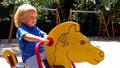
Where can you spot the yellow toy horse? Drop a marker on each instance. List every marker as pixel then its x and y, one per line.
pixel 71 46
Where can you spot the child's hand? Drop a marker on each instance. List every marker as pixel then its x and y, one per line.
pixel 46 41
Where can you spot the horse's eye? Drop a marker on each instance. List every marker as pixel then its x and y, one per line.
pixel 82 42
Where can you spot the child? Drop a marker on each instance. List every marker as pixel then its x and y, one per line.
pixel 29 35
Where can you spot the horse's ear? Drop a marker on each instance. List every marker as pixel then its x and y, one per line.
pixel 75 28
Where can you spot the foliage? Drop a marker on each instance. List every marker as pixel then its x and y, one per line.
pixel 47 18
pixel 110 7
pixel 9 5
pixel 64 6
pixel 5 11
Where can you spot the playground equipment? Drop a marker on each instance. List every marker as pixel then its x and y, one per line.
pixel 10 58
pixel 71 46
pixel 102 20
pixel 68 46
pixel 12 25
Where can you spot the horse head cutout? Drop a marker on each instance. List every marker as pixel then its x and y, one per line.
pixel 70 45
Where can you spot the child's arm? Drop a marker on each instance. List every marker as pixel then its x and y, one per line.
pixel 33 38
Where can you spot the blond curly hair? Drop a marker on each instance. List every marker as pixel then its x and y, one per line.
pixel 22 13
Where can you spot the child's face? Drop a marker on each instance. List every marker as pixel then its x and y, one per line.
pixel 31 19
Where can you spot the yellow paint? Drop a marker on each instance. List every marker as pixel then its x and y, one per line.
pixel 71 46
pixel 10 53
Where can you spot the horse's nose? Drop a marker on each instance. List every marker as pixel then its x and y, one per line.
pixel 101 54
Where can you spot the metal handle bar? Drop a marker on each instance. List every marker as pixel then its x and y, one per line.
pixel 37 50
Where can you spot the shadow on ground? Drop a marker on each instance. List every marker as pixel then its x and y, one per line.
pixel 13 45
pixel 104 38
